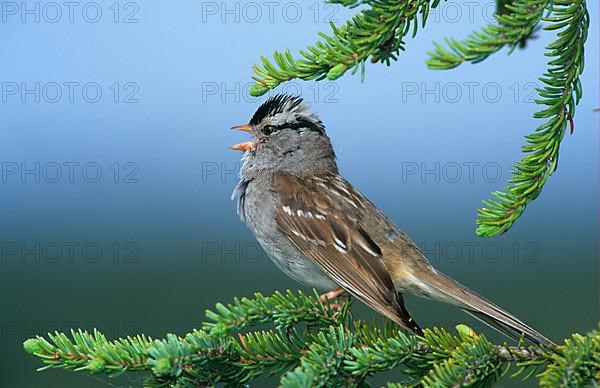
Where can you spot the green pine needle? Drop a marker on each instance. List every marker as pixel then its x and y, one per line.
pixel 378 31
pixel 307 351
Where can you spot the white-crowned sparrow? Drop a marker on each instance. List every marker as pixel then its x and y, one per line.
pixel 322 232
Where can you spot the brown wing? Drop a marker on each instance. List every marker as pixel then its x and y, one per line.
pixel 321 215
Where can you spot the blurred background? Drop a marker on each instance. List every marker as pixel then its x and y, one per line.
pixel 116 174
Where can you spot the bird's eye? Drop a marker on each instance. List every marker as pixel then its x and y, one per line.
pixel 268 129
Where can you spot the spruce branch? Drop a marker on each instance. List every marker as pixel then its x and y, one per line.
pixel 515 24
pixel 378 32
pixel 576 364
pixel 474 361
pixel 92 352
pixel 322 365
pixel 346 353
pixel 380 353
pixel 266 353
pixel 198 358
pixel 282 310
pixel 561 92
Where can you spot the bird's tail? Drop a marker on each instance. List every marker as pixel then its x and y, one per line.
pixel 443 288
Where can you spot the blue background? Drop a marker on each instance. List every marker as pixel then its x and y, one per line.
pixel 405 137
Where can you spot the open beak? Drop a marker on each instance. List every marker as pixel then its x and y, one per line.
pixel 245 146
pixel 243 127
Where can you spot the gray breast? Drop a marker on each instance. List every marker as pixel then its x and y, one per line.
pixel 256 206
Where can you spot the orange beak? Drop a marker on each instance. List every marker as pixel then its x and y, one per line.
pixel 245 146
pixel 243 127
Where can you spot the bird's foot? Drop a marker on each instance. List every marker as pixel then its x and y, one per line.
pixel 329 296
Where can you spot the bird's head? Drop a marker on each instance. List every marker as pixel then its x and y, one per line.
pixel 288 137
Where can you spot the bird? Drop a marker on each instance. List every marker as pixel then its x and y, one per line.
pixel 322 232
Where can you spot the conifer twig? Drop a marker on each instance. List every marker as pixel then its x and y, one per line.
pixel 346 353
pixel 378 31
